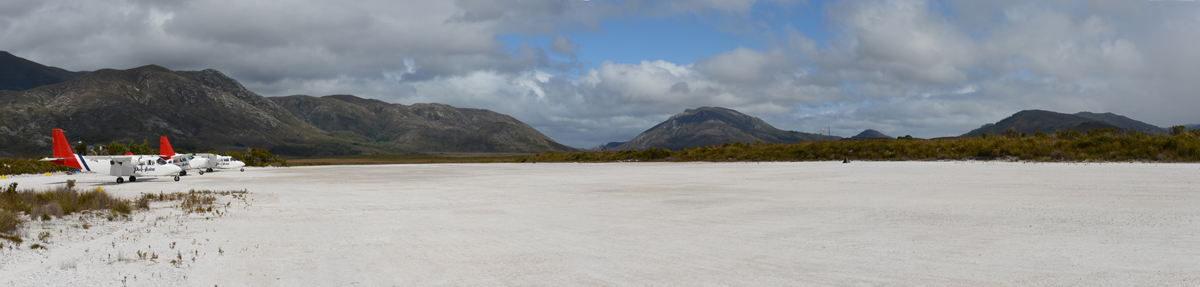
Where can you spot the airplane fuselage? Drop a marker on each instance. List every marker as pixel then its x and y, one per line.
pixel 137 166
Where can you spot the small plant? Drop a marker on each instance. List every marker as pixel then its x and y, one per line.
pixel 70 183
pixel 43 236
pixel 9 221
pixel 45 217
pixel 12 188
pixel 37 246
pixel 15 239
pixel 141 255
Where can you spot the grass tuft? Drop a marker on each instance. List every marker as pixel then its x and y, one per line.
pixel 54 202
pixel 193 201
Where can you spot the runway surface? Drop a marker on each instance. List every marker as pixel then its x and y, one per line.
pixel 647 224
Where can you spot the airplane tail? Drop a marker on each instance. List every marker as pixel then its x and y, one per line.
pixel 62 151
pixel 164 148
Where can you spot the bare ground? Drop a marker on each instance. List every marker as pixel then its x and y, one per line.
pixel 658 224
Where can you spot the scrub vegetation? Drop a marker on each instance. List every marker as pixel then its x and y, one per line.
pixel 55 202
pixel 256 157
pixel 193 201
pixel 1178 145
pixel 11 166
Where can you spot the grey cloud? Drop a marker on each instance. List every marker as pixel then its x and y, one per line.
pixel 562 45
pixel 900 66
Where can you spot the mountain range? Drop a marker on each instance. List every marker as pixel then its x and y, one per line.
pixel 19 74
pixel 201 110
pixel 1030 121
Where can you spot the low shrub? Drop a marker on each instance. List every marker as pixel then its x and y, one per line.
pixel 59 201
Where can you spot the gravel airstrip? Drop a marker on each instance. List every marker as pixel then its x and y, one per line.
pixel 639 224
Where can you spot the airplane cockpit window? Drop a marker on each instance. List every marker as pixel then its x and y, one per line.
pixel 160 161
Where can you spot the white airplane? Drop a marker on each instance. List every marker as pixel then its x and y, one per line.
pixel 228 162
pixel 222 162
pixel 132 166
pixel 183 161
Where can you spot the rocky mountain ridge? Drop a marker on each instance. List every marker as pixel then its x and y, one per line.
pixel 201 110
pixel 19 74
pixel 419 127
pixel 706 126
pixel 1030 121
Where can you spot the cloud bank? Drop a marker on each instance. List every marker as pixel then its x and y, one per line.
pixel 924 68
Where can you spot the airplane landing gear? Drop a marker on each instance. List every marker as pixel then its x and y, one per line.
pixel 209 169
pixel 201 172
pixel 132 179
pixel 176 178
pixel 243 169
pixel 182 173
pixel 120 180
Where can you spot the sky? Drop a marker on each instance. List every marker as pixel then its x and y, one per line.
pixel 590 72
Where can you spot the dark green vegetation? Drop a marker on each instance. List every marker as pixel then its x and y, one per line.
pixel 57 202
pixel 1178 145
pixel 11 166
pixel 707 126
pixel 18 74
pixel 257 157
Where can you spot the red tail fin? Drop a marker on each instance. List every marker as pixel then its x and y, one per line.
pixel 63 150
pixel 164 148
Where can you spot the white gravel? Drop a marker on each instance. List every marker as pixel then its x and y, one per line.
pixel 642 224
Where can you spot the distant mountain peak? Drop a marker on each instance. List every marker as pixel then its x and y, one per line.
pixel 871 134
pixel 706 126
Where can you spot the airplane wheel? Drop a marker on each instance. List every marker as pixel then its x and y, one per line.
pixel 120 180
pixel 182 173
pixel 201 172
pixel 209 169
pixel 176 178
pixel 243 169
pixel 132 179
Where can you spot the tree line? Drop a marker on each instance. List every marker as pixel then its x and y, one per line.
pixel 1178 145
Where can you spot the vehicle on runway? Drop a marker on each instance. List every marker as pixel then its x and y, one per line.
pixel 216 161
pixel 121 166
pixel 183 161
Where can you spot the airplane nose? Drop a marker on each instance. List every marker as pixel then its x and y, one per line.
pixel 172 168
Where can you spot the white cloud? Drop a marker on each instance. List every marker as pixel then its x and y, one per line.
pixel 925 68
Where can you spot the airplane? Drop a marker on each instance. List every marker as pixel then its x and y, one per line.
pixel 222 162
pixel 132 166
pixel 183 161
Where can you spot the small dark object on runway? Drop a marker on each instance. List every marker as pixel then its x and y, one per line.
pixel 846 160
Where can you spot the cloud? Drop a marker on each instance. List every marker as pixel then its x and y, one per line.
pixel 925 68
pixel 562 45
